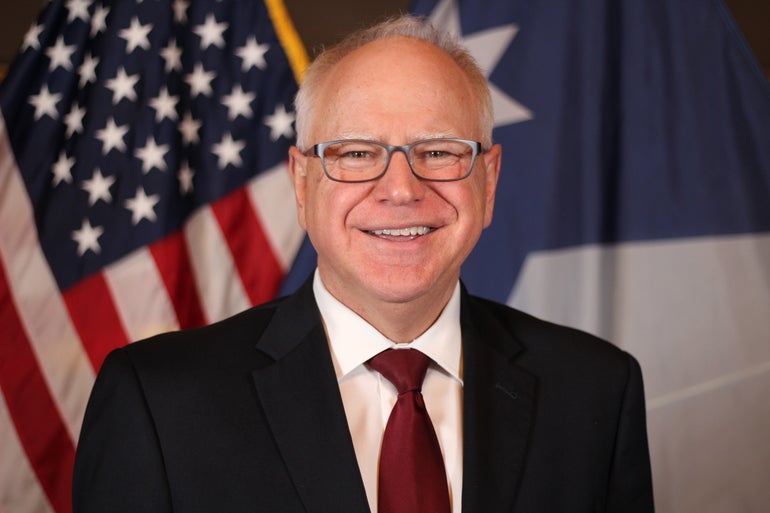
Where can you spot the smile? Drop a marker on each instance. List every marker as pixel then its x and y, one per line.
pixel 404 232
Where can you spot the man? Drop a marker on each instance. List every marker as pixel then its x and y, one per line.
pixel 280 408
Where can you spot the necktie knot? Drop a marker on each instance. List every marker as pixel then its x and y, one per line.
pixel 404 368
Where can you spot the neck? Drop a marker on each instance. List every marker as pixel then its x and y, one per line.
pixel 401 321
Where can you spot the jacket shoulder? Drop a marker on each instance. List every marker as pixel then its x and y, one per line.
pixel 539 338
pixel 220 343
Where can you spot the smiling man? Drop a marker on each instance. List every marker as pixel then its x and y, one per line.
pixel 390 243
pixel 380 385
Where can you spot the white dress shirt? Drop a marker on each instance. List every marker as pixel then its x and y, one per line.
pixel 368 397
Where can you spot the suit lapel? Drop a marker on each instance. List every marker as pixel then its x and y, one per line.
pixel 499 399
pixel 300 398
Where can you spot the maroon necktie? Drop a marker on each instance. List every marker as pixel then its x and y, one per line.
pixel 412 477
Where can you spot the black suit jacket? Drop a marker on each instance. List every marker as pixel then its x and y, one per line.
pixel 245 416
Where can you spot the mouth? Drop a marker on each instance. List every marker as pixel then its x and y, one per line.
pixel 409 232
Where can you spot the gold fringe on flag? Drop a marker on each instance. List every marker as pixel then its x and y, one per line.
pixel 290 40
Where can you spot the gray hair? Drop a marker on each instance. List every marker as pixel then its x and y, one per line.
pixel 402 26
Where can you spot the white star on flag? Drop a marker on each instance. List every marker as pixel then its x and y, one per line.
pixel 172 55
pixel 487 47
pixel 165 106
pixel 88 237
pixel 99 20
pixel 45 103
pixel 185 177
pixel 62 169
pixel 280 123
pixel 32 38
pixel 188 127
pixel 74 120
pixel 180 11
pixel 87 70
pixel 112 136
pixel 228 151
pixel 152 155
pixel 136 35
pixel 200 81
pixel 211 32
pixel 77 9
pixel 98 188
pixel 122 86
pixel 60 54
pixel 253 54
pixel 238 103
pixel 142 206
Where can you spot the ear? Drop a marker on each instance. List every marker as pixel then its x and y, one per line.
pixel 492 159
pixel 298 172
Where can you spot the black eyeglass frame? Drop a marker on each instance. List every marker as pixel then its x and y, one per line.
pixel 318 149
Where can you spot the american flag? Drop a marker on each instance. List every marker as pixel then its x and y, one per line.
pixel 142 189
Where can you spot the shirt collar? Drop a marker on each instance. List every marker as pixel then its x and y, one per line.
pixel 353 341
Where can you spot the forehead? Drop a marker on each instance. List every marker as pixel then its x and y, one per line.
pixel 396 82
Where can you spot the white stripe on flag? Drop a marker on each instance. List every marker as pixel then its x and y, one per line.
pixel 710 450
pixel 709 386
pixel 272 195
pixel 20 490
pixel 222 293
pixel 140 296
pixel 673 304
pixel 696 313
pixel 57 346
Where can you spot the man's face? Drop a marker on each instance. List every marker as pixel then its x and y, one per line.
pixel 396 91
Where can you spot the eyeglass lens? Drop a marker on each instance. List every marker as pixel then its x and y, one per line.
pixel 435 159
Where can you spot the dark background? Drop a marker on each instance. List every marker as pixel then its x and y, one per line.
pixel 316 26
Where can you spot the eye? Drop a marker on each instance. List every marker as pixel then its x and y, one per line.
pixel 350 151
pixel 437 154
pixel 440 150
pixel 353 155
pixel 356 154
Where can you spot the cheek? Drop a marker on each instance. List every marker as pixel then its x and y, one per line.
pixel 329 204
pixel 468 200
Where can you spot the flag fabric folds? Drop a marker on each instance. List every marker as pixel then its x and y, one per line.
pixel 633 203
pixel 142 189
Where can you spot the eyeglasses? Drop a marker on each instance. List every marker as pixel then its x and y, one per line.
pixel 435 160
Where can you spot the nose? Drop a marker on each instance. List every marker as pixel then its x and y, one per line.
pixel 399 185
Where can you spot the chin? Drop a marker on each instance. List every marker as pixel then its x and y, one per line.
pixel 402 287
pixel 399 296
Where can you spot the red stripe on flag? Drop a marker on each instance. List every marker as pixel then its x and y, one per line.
pixel 173 261
pixel 93 312
pixel 38 423
pixel 257 265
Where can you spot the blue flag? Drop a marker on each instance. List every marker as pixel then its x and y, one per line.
pixel 634 203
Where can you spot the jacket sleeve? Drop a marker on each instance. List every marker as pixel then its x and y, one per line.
pixel 118 465
pixel 630 483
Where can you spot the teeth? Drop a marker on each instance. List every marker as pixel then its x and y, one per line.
pixel 405 232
